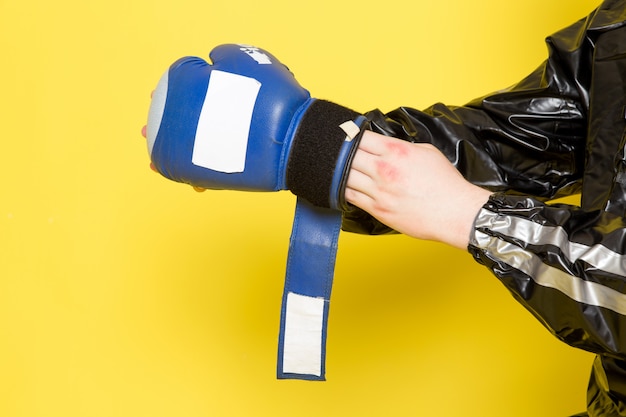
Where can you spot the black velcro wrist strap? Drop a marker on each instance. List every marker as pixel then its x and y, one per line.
pixel 315 149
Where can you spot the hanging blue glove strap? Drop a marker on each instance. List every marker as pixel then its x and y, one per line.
pixel 308 284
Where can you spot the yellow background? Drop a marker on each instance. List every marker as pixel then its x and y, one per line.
pixel 124 294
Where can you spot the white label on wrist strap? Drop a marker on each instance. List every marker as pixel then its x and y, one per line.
pixel 221 138
pixel 303 335
pixel 351 129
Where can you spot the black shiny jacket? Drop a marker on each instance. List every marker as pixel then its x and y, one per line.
pixel 560 131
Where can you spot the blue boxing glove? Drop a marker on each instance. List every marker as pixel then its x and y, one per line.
pixel 244 123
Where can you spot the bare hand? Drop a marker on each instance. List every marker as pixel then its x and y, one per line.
pixel 414 189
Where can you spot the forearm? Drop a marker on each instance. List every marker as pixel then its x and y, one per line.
pixel 488 149
pixel 528 139
pixel 565 265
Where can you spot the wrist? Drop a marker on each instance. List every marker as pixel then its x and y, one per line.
pixel 469 205
pixel 325 139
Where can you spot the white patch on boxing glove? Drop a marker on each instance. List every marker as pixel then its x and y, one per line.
pixel 256 54
pixel 157 107
pixel 221 138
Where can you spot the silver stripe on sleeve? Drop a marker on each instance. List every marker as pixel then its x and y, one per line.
pixel 576 288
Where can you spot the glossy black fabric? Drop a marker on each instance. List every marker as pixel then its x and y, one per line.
pixel 559 131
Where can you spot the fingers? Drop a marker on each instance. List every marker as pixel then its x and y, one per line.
pixel 378 154
pixel 361 185
pixel 379 159
pixel 359 181
pixel 358 199
pixel 364 177
pixel 378 168
pixel 372 143
pixel 364 162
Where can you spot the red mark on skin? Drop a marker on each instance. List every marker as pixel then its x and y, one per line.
pixel 386 165
pixel 397 148
pixel 387 172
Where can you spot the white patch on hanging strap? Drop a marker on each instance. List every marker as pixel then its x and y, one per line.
pixel 303 335
pixel 351 129
pixel 221 140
